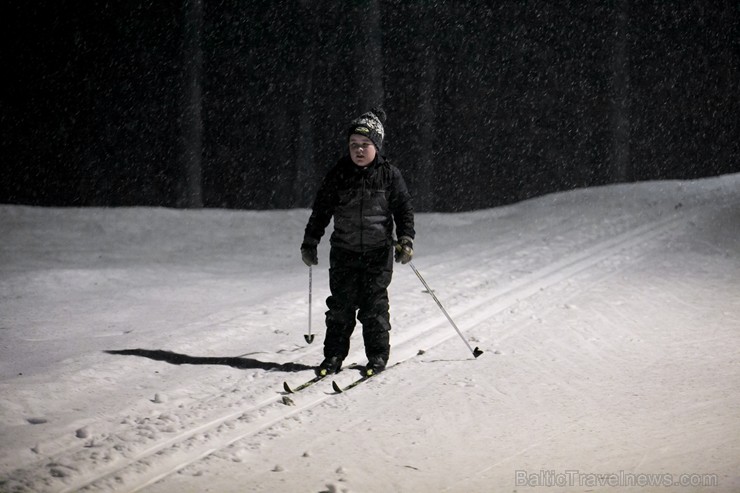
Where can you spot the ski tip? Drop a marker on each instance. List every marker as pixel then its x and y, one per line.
pixel 336 387
pixel 309 338
pixel 477 352
pixel 287 388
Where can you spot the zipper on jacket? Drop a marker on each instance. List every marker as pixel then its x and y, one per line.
pixel 362 217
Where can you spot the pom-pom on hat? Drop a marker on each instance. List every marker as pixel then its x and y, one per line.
pixel 370 125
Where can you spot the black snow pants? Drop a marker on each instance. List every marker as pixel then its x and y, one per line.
pixel 359 287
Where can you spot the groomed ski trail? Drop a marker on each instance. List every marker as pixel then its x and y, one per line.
pixel 163 459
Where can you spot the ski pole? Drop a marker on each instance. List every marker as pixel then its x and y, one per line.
pixel 477 351
pixel 309 336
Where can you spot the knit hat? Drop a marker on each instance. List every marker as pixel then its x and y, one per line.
pixel 370 125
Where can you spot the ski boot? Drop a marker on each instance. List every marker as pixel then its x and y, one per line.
pixel 331 364
pixel 375 364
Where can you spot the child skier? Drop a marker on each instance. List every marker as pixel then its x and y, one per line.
pixel 366 196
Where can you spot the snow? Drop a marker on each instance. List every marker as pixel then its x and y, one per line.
pixel 144 349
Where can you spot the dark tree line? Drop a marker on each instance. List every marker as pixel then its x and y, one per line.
pixel 228 103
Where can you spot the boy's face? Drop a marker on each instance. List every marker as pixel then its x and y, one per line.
pixel 361 150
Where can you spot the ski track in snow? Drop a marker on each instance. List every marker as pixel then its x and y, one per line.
pixel 488 290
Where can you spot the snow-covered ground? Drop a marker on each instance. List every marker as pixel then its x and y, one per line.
pixel 145 349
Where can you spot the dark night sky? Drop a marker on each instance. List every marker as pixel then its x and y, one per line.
pixel 487 102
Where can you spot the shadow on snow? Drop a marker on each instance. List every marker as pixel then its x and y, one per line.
pixel 235 362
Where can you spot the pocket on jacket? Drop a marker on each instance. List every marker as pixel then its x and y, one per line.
pixel 378 202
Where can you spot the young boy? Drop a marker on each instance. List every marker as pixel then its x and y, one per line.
pixel 366 196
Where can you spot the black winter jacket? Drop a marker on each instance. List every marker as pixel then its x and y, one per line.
pixel 365 203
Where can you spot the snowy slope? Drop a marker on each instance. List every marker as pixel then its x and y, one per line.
pixel 145 349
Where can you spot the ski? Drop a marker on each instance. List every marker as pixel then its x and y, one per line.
pixel 367 376
pixel 319 377
pixel 302 386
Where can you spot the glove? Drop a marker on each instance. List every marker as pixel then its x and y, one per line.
pixel 404 250
pixel 309 254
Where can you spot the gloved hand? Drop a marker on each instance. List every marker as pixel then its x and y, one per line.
pixel 404 250
pixel 309 254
